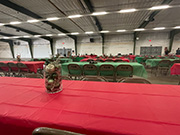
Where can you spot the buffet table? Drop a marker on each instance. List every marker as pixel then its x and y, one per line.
pixel 91 108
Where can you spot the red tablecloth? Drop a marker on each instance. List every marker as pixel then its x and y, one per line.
pixel 92 108
pixel 178 56
pixel 175 69
pixel 32 65
pixel 85 59
pixel 132 57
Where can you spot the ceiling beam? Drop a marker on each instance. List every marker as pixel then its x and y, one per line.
pixel 151 17
pixel 27 12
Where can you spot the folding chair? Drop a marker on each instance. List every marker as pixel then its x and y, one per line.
pixel 107 71
pixel 89 69
pixel 134 80
pixel 13 69
pixel 124 71
pixel 75 71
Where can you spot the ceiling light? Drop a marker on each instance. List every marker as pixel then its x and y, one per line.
pixel 6 37
pixel 140 29
pixel 127 10
pixel 49 35
pixel 177 27
pixel 37 35
pixel 32 21
pixel 52 18
pixel 26 36
pixel 15 37
pixel 159 7
pixel 74 16
pixel 89 32
pixel 15 22
pixel 121 30
pixel 99 13
pixel 74 33
pixel 159 28
pixel 61 34
pixel 2 24
pixel 104 31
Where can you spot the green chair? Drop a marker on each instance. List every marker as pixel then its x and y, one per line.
pixel 89 69
pixel 75 71
pixel 107 71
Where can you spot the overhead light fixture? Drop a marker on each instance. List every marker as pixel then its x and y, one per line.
pixel 159 7
pixel 89 32
pixel 74 16
pixel 99 13
pixel 52 18
pixel 37 36
pixel 61 34
pixel 74 33
pixel 120 30
pixel 15 37
pixel 159 28
pixel 127 10
pixel 6 37
pixel 32 21
pixel 26 36
pixel 104 31
pixel 49 35
pixel 2 24
pixel 177 27
pixel 140 29
pixel 15 23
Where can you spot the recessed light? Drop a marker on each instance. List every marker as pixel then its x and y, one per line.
pixel 15 37
pixel 74 33
pixel 99 13
pixel 61 34
pixel 177 27
pixel 121 30
pixel 37 35
pixel 140 29
pixel 127 10
pixel 26 36
pixel 49 35
pixel 6 37
pixel 104 31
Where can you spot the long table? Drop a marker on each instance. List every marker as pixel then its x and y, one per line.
pixel 91 108
pixel 32 65
pixel 138 69
pixel 154 62
pixel 95 59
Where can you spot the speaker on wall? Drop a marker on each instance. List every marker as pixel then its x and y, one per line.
pixel 91 40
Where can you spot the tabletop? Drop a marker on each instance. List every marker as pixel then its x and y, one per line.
pixel 91 108
pixel 154 62
pixel 138 69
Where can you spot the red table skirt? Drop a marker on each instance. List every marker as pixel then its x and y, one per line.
pixel 32 65
pixel 85 59
pixel 175 69
pixel 91 108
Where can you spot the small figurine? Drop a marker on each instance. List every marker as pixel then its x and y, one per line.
pixel 18 57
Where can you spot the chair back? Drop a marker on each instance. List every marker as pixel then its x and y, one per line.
pixel 164 63
pixel 94 78
pixel 134 80
pixel 109 60
pixel 90 60
pixel 52 131
pixel 106 70
pixel 124 70
pixel 100 60
pixel 89 69
pixel 13 66
pixel 22 67
pixel 74 69
pixel 4 66
pixel 31 75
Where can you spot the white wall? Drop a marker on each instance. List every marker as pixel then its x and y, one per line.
pixel 66 42
pixel 176 43
pixel 5 51
pixel 115 44
pixel 84 46
pixel 22 49
pixel 41 48
pixel 157 39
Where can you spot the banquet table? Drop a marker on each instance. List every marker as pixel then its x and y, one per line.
pixel 32 65
pixel 138 69
pixel 140 59
pixel 154 62
pixel 65 60
pixel 91 108
pixel 132 57
pixel 175 69
pixel 85 59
